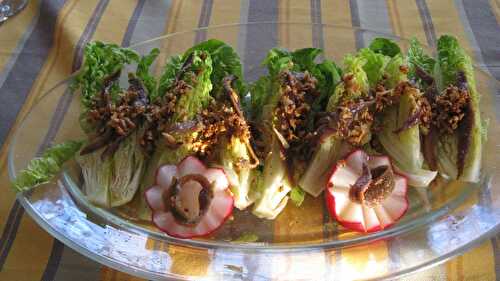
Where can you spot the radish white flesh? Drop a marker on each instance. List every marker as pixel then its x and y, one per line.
pixel 155 198
pixel 165 174
pixel 218 210
pixel 357 215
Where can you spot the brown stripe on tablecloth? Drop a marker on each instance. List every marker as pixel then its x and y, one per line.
pixel 394 17
pixel 151 21
pixel 430 32
pixel 317 27
pixel 356 23
pixel 27 65
pixel 475 52
pixel 259 38
pixel 206 11
pixel 244 6
pixel 495 243
pixel 87 34
pixel 133 23
pixel 10 231
pixel 485 28
pixel 495 6
pixel 53 262
pixel 14 93
pixel 14 53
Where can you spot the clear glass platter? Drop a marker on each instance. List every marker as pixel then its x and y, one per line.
pixel 444 220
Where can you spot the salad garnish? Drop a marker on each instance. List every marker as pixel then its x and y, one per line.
pixel 183 149
pixel 189 200
pixel 365 194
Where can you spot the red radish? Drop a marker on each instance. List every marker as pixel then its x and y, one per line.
pixel 189 200
pixel 365 194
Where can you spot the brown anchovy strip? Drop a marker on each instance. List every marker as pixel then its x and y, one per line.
pixel 422 74
pixel 429 148
pixel 115 121
pixel 465 126
pixel 412 120
pixel 204 197
pixel 358 188
pixel 185 66
pixel 420 115
pixel 98 143
pixel 233 96
pixel 349 122
pixel 373 186
pixel 429 138
pixel 112 147
pixel 464 140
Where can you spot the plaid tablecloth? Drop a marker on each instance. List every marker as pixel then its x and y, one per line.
pixel 43 45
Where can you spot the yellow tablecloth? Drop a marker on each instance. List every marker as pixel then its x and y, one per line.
pixel 43 44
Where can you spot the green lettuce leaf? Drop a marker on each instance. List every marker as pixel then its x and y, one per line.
pixel 242 179
pixel 144 75
pixel 113 181
pixel 197 76
pixel 384 46
pixel 417 57
pixel 42 169
pixel 273 187
pixel 247 238
pixel 297 195
pixel 451 60
pixel 168 76
pixel 374 65
pixel 353 65
pixel 329 76
pixel 277 60
pixel 395 75
pixel 259 91
pixel 198 98
pixel 325 156
pixel 265 92
pixel 100 61
pixel 225 62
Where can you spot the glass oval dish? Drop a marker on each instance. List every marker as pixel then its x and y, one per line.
pixel 303 242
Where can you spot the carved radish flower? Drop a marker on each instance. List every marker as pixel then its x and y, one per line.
pixel 189 200
pixel 365 194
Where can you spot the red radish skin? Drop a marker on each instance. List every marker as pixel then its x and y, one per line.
pixel 356 225
pixel 221 193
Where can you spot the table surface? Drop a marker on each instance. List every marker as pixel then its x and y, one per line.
pixel 38 46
